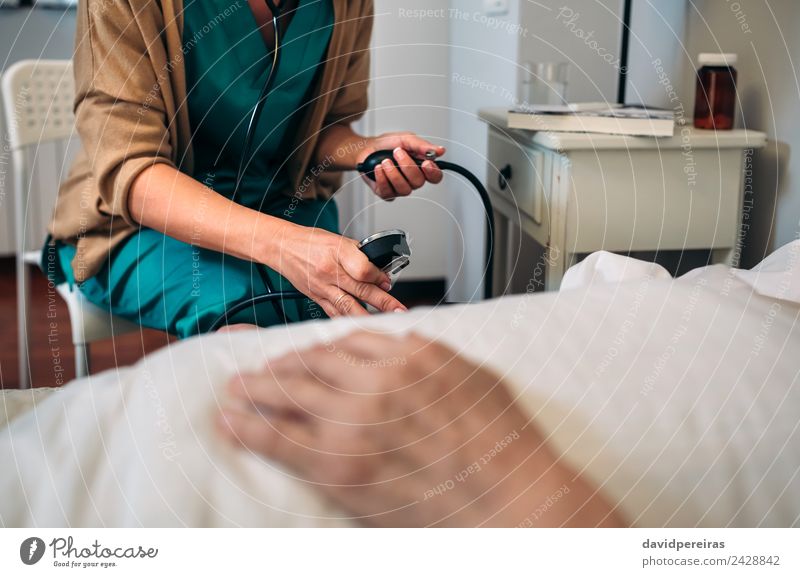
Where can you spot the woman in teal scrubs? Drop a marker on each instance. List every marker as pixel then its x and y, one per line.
pixel 182 287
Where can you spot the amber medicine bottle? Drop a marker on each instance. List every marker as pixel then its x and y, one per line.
pixel 715 95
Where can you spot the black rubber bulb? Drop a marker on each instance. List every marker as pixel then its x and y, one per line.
pixel 373 160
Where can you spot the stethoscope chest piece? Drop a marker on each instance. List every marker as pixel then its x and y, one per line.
pixel 388 250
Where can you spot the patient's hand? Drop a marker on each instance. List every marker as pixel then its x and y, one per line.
pixel 406 432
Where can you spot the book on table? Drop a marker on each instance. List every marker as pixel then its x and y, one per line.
pixel 597 118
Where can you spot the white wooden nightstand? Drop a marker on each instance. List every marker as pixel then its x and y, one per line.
pixel 578 193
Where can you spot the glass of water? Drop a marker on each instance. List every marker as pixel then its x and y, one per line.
pixel 543 83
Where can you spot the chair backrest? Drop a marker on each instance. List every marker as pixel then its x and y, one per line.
pixel 38 100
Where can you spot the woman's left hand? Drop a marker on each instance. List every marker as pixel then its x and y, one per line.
pixel 391 181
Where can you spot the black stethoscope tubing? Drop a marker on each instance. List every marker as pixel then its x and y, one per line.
pixel 278 297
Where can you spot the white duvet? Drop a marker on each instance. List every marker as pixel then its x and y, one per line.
pixel 679 398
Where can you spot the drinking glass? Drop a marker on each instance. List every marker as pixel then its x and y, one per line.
pixel 543 83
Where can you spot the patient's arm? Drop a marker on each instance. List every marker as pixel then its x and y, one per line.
pixel 407 433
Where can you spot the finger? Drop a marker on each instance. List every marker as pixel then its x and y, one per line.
pixel 375 296
pixel 286 441
pixel 329 369
pixel 358 266
pixel 287 394
pixel 432 172
pixel 383 188
pixel 374 345
pixel 398 182
pixel 348 306
pixel 329 309
pixel 305 363
pixel 419 147
pixel 370 345
pixel 409 168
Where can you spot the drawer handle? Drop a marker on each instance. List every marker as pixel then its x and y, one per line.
pixel 504 177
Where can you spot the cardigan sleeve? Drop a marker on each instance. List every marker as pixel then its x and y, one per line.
pixel 119 108
pixel 352 97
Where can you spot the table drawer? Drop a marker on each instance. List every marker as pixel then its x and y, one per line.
pixel 516 173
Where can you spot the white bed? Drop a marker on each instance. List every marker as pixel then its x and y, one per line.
pixel 679 398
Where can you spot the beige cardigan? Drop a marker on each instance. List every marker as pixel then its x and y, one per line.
pixel 130 113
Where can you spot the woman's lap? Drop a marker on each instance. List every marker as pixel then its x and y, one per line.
pixel 162 283
pixel 165 284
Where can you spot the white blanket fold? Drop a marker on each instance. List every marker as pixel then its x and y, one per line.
pixel 678 398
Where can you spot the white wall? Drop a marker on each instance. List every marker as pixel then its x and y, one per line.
pixel 656 43
pixel 584 33
pixel 422 70
pixel 588 34
pixel 26 33
pixel 485 51
pixel 409 91
pixel 485 57
pixel 419 65
pixel 764 34
pixel 416 64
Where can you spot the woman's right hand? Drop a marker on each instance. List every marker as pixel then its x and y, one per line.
pixel 333 272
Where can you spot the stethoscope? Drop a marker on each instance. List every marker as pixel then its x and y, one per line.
pixel 388 250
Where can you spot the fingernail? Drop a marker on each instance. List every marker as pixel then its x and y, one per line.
pixel 386 286
pixel 387 164
pixel 399 150
pixel 399 310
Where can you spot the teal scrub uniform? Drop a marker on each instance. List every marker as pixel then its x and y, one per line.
pixel 162 283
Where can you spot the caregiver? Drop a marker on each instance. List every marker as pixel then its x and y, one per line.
pixel 147 225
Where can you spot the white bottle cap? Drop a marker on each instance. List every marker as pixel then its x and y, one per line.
pixel 717 59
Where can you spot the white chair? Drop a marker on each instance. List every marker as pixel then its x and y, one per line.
pixel 38 100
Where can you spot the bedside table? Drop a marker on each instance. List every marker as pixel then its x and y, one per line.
pixel 574 193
